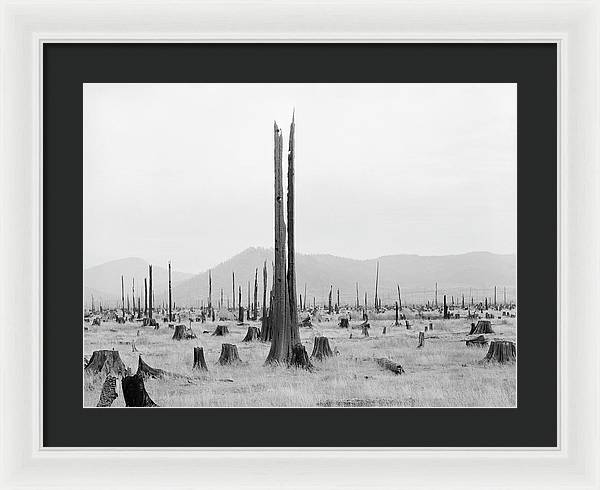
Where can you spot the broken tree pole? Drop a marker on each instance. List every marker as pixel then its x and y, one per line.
pixel 170 305
pixel 446 315
pixel 240 307
pixel 209 292
pixel 436 304
pixel 255 313
pixel 330 291
pixel 357 301
pixel 233 288
pixel 145 297
pixel 399 297
pixel 151 292
pixel 376 286
pixel 123 296
pixel 264 330
pixel 396 323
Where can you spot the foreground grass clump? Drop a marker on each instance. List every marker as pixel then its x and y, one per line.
pixel 443 373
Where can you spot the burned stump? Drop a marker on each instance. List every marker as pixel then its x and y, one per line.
pixel 501 351
pixel 421 339
pixel 321 349
pixel 299 358
pixel 109 392
pixel 106 362
pixel 251 335
pixel 182 333
pixel 478 341
pixel 229 355
pixel 146 371
pixel 199 362
pixel 389 365
pixel 221 331
pixel 483 326
pixel 134 392
pixel 344 323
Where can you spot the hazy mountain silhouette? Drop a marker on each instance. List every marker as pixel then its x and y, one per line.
pixel 104 280
pixel 453 273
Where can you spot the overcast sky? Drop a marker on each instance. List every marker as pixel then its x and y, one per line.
pixel 185 171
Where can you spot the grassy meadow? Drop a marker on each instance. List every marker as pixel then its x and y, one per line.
pixel 443 373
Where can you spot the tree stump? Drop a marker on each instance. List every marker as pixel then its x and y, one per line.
pixel 478 341
pixel 430 326
pixel 150 322
pixel 106 362
pixel 483 326
pixel 501 351
pixel 199 362
pixel 251 335
pixel 344 323
pixel 421 339
pixel 321 348
pixel 299 358
pixel 182 333
pixel 365 328
pixel 407 324
pixel 135 393
pixel 221 331
pixel 96 321
pixel 389 365
pixel 146 371
pixel 229 355
pixel 109 392
pixel 120 319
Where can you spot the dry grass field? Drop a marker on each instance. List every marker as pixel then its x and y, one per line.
pixel 443 373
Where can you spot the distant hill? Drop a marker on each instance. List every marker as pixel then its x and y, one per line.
pixel 475 272
pixel 104 280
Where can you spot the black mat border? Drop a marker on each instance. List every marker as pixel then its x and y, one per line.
pixel 533 66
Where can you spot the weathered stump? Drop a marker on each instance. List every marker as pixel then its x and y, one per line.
pixel 389 365
pixel 483 326
pixel 321 348
pixel 221 331
pixel 146 371
pixel 182 333
pixel 299 358
pixel 106 362
pixel 421 339
pixel 251 335
pixel 229 355
pixel 478 341
pixel 501 351
pixel 199 362
pixel 344 323
pixel 134 392
pixel 109 392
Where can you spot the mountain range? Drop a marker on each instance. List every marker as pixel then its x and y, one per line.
pixel 473 273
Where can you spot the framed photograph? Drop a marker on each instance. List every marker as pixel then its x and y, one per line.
pixel 342 239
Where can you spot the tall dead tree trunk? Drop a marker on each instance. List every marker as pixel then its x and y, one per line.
pixel 255 312
pixel 446 315
pixel 377 287
pixel 209 292
pixel 145 298
pixel 233 288
pixel 123 296
pixel 396 322
pixel 170 305
pixel 281 340
pixel 357 301
pixel 264 320
pixel 248 304
pixel 330 310
pixel 399 298
pixel 150 293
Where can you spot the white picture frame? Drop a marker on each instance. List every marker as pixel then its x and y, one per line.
pixel 573 25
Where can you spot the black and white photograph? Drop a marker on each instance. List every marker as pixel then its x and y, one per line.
pixel 314 245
